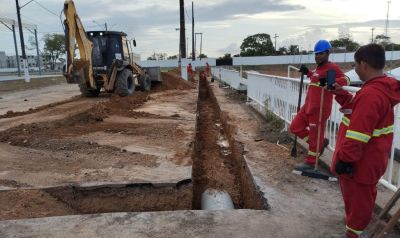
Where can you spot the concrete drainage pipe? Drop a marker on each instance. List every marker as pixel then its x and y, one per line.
pixel 213 199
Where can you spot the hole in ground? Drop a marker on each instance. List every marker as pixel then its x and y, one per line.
pixel 218 161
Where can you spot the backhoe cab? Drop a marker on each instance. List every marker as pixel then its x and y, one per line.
pixel 105 59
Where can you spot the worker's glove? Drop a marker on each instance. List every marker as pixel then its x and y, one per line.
pixel 322 82
pixel 343 167
pixel 303 69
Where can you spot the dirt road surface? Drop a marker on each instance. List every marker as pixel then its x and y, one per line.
pixel 97 143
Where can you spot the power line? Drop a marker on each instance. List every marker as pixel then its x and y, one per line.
pixel 187 15
pixel 48 10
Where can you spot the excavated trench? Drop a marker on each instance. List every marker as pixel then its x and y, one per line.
pixel 218 163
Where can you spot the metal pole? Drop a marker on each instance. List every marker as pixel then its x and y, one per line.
pixel 201 43
pixel 387 19
pixel 37 53
pixel 187 46
pixel 182 36
pixel 16 50
pixel 21 35
pixel 276 36
pixel 372 36
pixel 193 49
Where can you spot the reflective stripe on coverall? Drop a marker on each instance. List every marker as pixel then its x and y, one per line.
pixel 364 140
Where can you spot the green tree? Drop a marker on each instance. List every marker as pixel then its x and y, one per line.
pixel 54 47
pixel 257 45
pixel 294 50
pixel 282 51
pixel 226 56
pixel 345 42
pixel 202 56
pixel 386 43
pixel 172 57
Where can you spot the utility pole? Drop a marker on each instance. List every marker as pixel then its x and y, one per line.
pixel 193 49
pixel 21 35
pixel 182 36
pixel 372 36
pixel 187 46
pixel 37 53
pixel 387 18
pixel 16 51
pixel 276 36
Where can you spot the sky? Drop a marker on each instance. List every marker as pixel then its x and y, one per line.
pixel 223 23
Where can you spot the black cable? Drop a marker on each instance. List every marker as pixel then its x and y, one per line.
pixel 38 3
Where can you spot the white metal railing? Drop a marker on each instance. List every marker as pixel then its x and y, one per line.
pixel 230 77
pixel 280 96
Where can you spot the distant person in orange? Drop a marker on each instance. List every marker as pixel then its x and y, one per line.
pixel 190 71
pixel 208 70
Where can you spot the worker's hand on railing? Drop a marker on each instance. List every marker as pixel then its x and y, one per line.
pixel 303 69
pixel 336 88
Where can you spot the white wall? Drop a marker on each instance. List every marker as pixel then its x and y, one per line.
pixel 174 63
pixel 264 60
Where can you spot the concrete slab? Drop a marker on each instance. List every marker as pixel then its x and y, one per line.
pixel 238 223
pixel 25 100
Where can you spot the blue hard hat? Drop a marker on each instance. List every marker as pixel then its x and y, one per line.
pixel 321 46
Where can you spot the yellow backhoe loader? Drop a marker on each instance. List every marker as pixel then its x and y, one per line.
pixel 105 59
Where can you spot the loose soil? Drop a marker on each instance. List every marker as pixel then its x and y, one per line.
pixel 65 142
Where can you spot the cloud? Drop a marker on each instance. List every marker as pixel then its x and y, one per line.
pixel 372 23
pixel 238 8
pixel 232 48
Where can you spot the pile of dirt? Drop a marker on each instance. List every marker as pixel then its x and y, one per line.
pixel 172 80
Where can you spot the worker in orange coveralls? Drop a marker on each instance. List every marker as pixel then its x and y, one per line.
pixel 365 137
pixel 190 71
pixel 306 123
pixel 208 70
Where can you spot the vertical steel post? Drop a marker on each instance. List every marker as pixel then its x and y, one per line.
pixel 37 53
pixel 16 50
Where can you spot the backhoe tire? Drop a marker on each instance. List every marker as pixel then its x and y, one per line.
pixel 145 83
pixel 124 85
pixel 85 90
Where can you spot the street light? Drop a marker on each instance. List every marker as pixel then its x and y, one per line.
pixel 372 37
pixel 201 42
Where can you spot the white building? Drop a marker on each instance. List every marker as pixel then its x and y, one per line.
pixel 3 59
pixel 12 61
